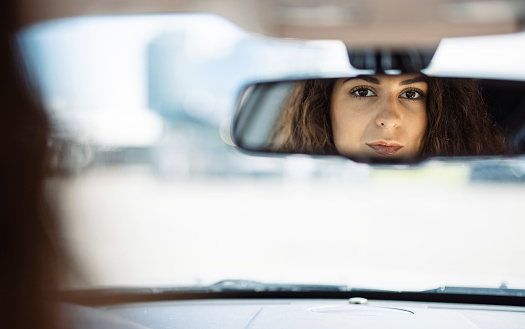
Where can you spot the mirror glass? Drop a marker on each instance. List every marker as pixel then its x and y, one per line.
pixel 383 118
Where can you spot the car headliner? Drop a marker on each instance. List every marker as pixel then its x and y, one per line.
pixel 364 23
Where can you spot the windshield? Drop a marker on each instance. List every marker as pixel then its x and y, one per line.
pixel 152 192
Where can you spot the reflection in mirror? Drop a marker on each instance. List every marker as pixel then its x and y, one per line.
pixel 383 118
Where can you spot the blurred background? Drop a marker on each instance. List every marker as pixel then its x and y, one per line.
pixel 152 191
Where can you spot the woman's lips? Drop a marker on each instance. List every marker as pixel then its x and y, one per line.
pixel 384 148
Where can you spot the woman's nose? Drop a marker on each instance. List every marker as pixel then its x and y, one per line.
pixel 388 115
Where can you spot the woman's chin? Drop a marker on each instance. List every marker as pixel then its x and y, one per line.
pixel 381 154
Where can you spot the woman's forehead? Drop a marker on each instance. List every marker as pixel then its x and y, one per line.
pixel 401 79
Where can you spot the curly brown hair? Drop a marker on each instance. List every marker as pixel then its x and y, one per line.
pixel 458 121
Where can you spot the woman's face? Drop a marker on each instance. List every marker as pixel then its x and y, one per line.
pixel 379 115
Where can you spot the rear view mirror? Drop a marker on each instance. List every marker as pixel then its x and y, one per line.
pixel 383 118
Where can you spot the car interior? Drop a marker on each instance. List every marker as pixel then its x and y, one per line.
pixel 176 212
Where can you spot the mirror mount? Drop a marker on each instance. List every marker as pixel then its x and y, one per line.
pixel 384 60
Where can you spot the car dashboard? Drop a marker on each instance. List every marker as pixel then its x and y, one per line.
pixel 296 313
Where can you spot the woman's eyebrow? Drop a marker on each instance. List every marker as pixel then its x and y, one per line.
pixel 419 78
pixel 366 78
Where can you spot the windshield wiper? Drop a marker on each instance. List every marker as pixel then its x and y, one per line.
pixel 501 291
pixel 247 285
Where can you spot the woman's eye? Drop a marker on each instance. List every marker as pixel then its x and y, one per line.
pixel 411 94
pixel 363 92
